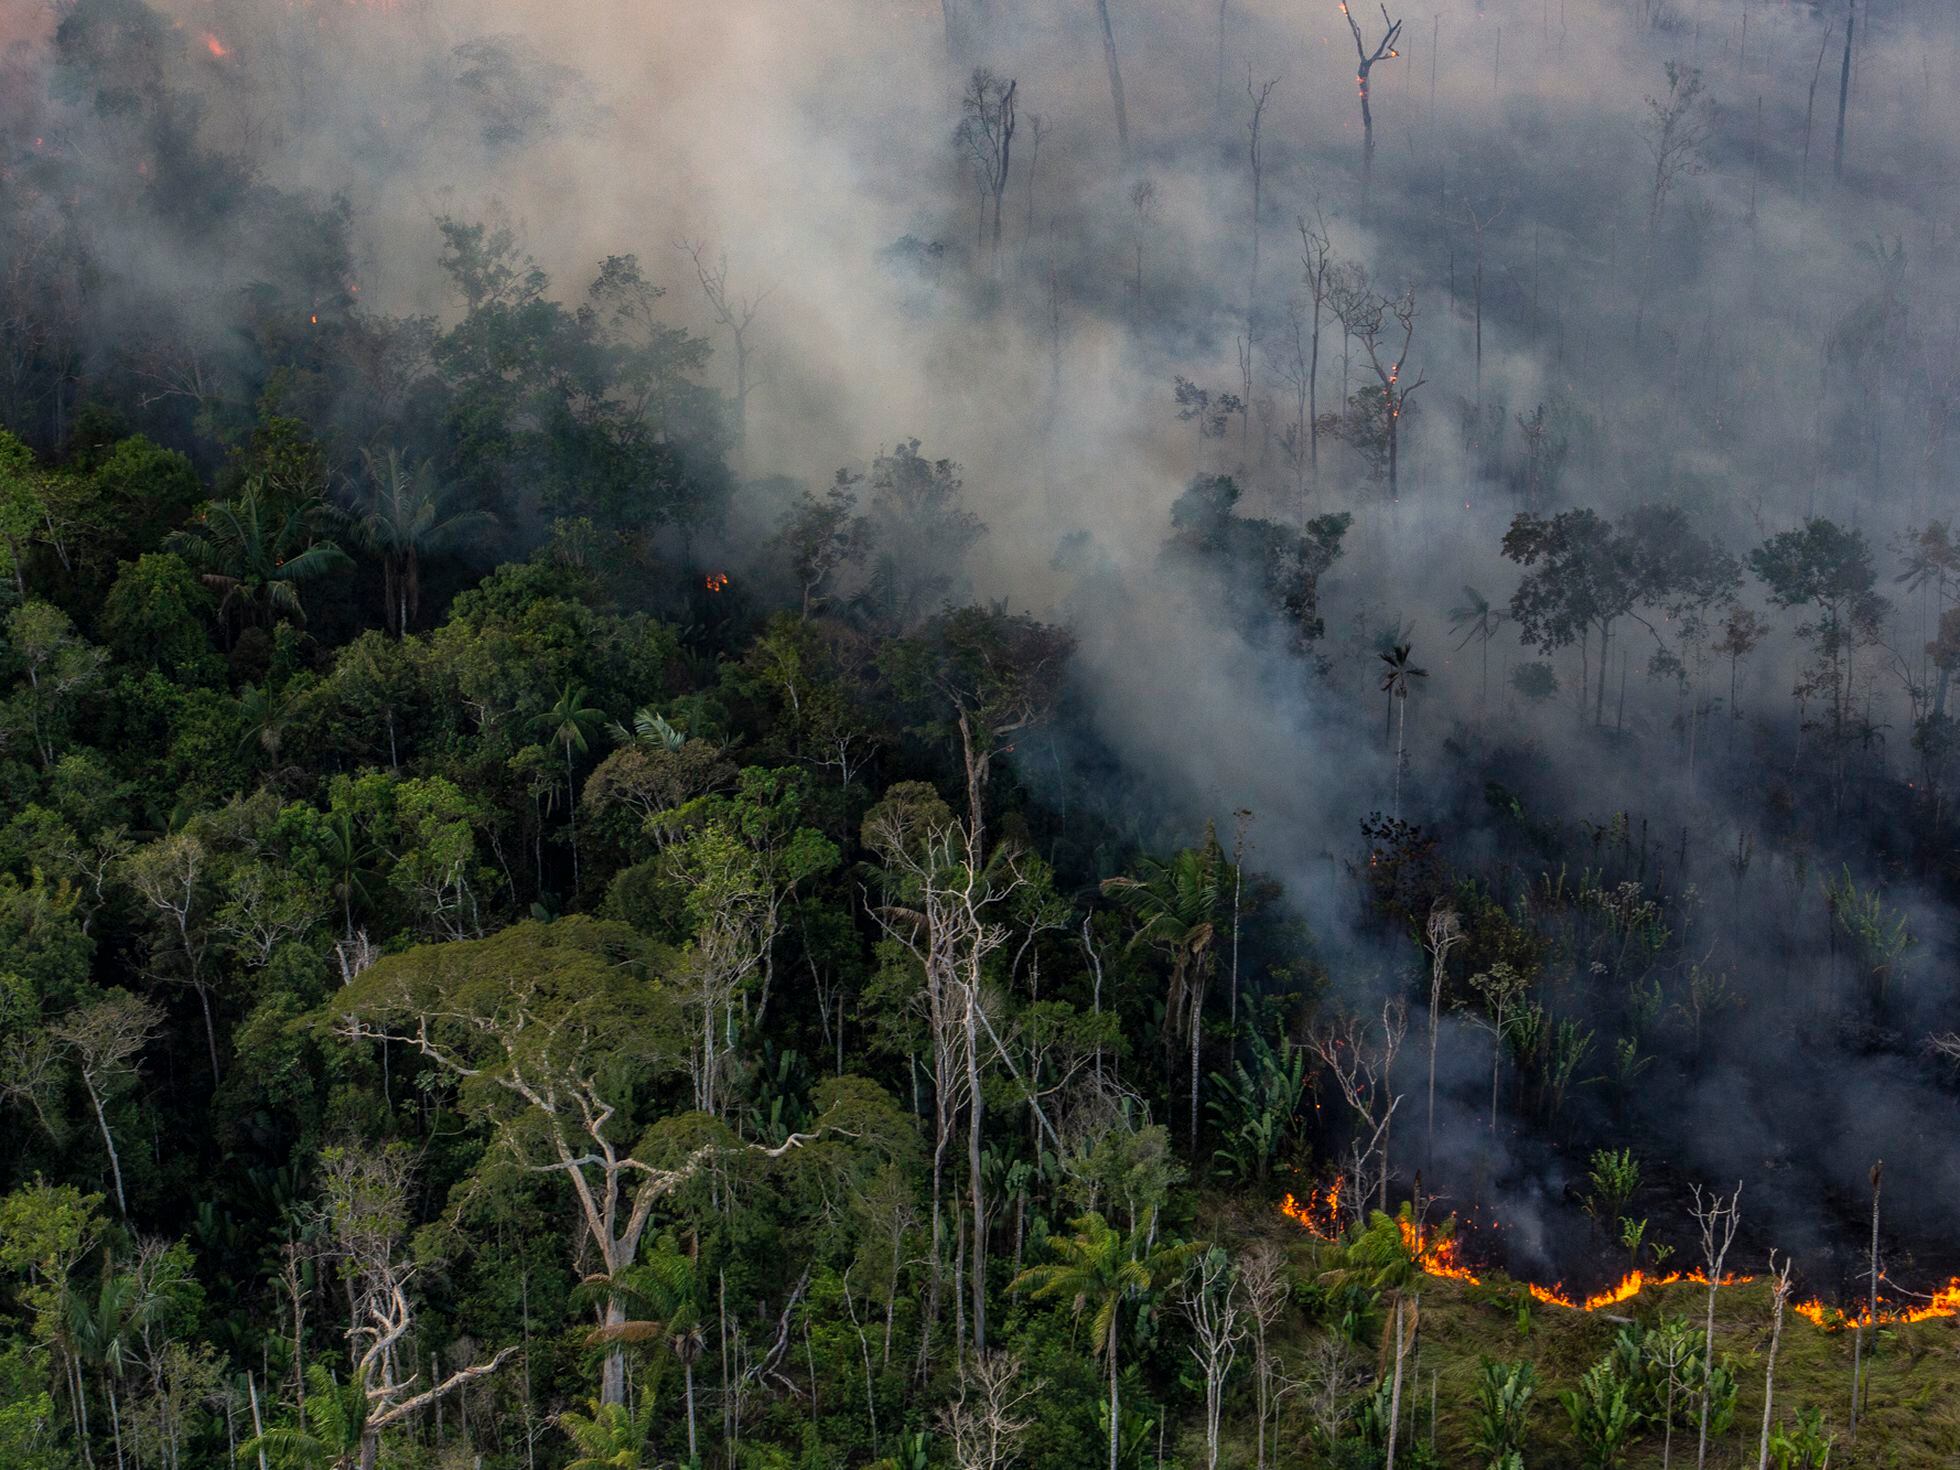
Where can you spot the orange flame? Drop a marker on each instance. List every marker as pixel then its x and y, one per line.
pixel 216 47
pixel 1320 1215
pixel 1440 1256
pixel 1944 1302
pixel 715 581
pixel 1436 1256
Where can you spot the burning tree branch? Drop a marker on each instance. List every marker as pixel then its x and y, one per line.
pixel 1366 59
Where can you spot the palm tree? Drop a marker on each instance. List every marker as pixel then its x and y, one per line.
pixel 102 1331
pixel 399 514
pixel 1384 1258
pixel 662 1294
pixel 611 1437
pixel 649 729
pixel 256 555
pixel 330 1433
pixel 265 713
pixel 565 724
pixel 1396 683
pixel 1100 1269
pixel 348 855
pixel 1477 619
pixel 1177 905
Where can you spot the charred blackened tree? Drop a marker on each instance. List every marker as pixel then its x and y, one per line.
pixel 1260 95
pixel 1385 327
pixel 1678 125
pixel 1478 224
pixel 737 313
pixel 1317 261
pixel 1115 80
pixel 1844 89
pixel 1366 59
pixel 986 136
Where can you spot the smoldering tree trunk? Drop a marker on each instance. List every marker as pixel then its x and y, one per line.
pixel 1367 177
pixel 1394 449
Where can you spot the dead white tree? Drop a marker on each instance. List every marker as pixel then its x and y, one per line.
pixel 1361 1064
pixel 737 314
pixel 1331 1370
pixel 947 895
pixel 1214 1301
pixel 1779 1299
pixel 1263 1275
pixel 367 1215
pixel 562 1122
pixel 992 1414
pixel 1442 933
pixel 1716 1219
pixel 105 1037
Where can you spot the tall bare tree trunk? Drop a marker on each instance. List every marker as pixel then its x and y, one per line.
pixel 1871 1306
pixel 1115 89
pixel 1844 89
pixel 108 1142
pixel 1781 1284
pixel 1395 1389
pixel 975 1184
pixel 1114 1318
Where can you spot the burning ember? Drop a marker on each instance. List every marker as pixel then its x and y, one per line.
pixel 715 581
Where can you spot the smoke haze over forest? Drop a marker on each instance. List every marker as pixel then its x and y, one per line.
pixel 1642 284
